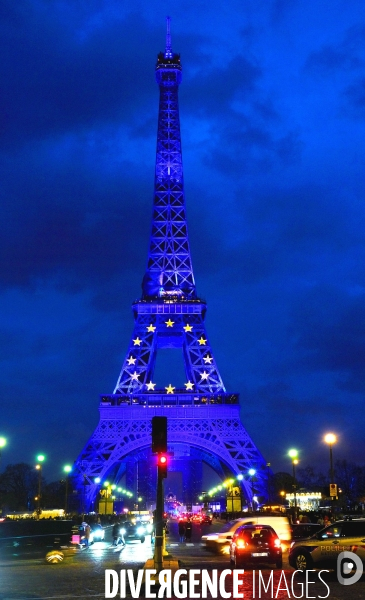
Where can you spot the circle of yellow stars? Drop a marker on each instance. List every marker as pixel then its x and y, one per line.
pixel 170 389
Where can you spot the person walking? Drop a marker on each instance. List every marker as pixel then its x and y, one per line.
pixel 188 530
pixel 87 530
pixel 181 531
pixel 115 533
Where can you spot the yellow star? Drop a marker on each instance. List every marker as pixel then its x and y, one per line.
pixel 137 341
pixel 189 385
pixel 204 375
pixel 169 323
pixel 131 360
pixel 202 341
pixel 150 386
pixel 151 328
pixel 135 376
pixel 169 389
pixel 188 327
pixel 208 359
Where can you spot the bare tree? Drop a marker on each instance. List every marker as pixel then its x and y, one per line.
pixel 18 487
pixel 350 478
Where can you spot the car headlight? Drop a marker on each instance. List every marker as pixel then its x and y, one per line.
pixel 140 530
pixel 123 531
pixel 149 528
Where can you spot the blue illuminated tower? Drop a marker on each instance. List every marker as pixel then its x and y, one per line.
pixel 203 419
pixel 169 314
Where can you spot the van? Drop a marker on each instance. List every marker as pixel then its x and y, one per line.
pixel 22 537
pixel 280 525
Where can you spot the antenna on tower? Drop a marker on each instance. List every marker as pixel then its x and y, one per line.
pixel 168 51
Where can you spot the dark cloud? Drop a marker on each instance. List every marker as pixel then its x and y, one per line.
pixel 347 55
pixel 356 96
pixel 330 329
pixel 270 106
pixel 68 82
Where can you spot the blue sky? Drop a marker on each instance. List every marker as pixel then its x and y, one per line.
pixel 272 109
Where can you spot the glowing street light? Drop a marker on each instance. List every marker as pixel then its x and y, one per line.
pixel 2 445
pixel 293 453
pixel 40 458
pixel 252 473
pixel 330 439
pixel 67 469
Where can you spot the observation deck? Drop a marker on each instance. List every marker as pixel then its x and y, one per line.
pixel 159 398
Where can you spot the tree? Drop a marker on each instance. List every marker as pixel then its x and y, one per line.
pixel 350 478
pixel 282 482
pixel 18 487
pixel 312 480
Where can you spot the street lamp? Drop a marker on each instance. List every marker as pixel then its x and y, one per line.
pixel 2 444
pixel 294 456
pixel 40 459
pixel 252 473
pixel 330 439
pixel 67 469
pixel 240 479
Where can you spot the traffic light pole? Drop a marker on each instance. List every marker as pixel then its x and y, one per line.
pixel 159 446
pixel 159 524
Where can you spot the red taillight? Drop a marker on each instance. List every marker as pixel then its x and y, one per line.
pixel 277 543
pixel 240 543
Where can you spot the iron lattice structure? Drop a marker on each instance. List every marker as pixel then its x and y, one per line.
pixel 203 419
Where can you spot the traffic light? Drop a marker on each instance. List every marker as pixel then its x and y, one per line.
pixel 162 466
pixel 159 434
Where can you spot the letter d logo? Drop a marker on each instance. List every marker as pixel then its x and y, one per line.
pixel 346 561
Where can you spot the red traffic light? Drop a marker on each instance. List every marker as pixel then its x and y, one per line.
pixel 162 466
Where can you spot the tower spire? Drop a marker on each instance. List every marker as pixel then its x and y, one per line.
pixel 168 51
pixel 169 270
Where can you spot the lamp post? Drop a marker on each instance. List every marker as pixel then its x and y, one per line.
pixel 2 445
pixel 330 439
pixel 240 479
pixel 139 500
pixel 294 456
pixel 67 469
pixel 97 481
pixel 252 473
pixel 40 459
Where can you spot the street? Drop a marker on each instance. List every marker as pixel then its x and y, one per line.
pixel 81 575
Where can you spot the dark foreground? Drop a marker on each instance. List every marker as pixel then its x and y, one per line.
pixel 81 575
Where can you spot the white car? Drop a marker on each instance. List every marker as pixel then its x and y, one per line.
pixel 219 542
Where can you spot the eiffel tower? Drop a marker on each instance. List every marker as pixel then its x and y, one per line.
pixel 203 418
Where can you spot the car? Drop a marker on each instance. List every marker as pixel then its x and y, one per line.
pixel 322 549
pixel 207 519
pixel 97 532
pixel 255 544
pixel 197 518
pixel 219 542
pixel 300 531
pixel 135 530
pixel 279 523
pixel 31 537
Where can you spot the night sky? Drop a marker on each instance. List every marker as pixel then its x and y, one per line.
pixel 272 109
